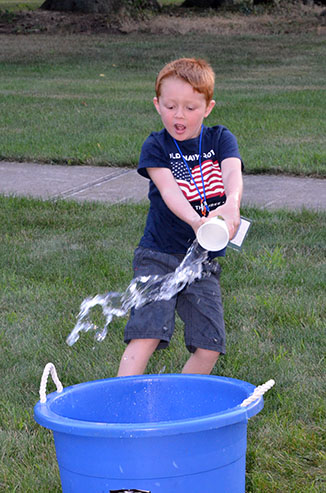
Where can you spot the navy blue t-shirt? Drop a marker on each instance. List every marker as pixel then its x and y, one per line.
pixel 164 231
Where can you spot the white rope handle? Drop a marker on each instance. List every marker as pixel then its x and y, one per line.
pixel 258 392
pixel 49 368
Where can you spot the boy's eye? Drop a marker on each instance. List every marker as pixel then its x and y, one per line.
pixel 190 108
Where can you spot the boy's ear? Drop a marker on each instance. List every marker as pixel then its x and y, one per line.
pixel 157 106
pixel 209 107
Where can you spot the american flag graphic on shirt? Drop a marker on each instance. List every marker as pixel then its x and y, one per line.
pixel 212 179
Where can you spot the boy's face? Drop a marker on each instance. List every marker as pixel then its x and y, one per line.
pixel 181 108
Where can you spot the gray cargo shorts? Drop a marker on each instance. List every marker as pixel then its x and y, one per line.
pixel 199 306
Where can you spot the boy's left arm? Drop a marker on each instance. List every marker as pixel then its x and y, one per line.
pixel 233 185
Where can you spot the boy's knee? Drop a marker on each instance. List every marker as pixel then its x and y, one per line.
pixel 207 355
pixel 148 345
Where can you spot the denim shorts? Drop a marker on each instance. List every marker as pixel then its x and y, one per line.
pixel 199 306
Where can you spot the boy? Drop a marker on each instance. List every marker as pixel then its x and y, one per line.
pixel 195 174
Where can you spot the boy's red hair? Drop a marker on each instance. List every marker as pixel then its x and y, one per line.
pixel 197 72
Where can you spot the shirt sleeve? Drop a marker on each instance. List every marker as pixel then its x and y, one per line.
pixel 228 146
pixel 152 156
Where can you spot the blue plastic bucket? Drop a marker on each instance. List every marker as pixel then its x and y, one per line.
pixel 154 433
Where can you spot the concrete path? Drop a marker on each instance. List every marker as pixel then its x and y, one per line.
pixel 114 185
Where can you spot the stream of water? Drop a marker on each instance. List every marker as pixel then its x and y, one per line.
pixel 141 290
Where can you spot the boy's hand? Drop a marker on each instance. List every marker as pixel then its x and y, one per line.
pixel 230 212
pixel 197 222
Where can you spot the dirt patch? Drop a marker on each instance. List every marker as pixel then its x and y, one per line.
pixel 46 22
pixel 298 19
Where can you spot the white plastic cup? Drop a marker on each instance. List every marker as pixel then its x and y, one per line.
pixel 213 235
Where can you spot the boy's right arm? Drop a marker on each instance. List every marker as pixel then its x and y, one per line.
pixel 174 198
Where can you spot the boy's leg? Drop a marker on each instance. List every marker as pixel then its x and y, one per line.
pixel 202 361
pixel 200 307
pixel 136 355
pixel 150 325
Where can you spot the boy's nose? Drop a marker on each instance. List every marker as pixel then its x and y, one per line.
pixel 179 112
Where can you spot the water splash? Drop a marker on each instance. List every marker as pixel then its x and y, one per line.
pixel 141 290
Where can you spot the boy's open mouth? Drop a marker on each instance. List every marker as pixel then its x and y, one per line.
pixel 179 127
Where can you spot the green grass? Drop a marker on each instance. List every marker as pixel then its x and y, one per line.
pixel 14 6
pixel 87 99
pixel 54 254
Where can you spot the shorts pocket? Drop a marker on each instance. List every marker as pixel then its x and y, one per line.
pixel 212 267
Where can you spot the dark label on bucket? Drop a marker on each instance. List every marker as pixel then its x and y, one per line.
pixel 130 491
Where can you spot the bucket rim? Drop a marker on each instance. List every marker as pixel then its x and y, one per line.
pixel 56 422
